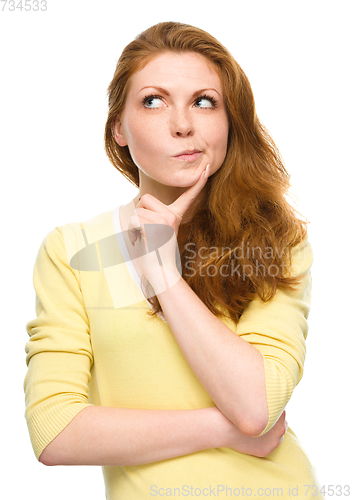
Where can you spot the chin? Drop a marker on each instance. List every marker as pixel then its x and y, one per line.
pixel 182 185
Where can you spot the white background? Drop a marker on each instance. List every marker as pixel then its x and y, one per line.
pixel 56 66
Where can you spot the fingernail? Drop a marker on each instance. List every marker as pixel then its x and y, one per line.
pixel 207 171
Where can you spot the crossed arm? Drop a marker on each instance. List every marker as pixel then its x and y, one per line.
pixel 230 369
pixel 220 360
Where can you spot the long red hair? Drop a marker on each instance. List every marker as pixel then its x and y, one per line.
pixel 244 223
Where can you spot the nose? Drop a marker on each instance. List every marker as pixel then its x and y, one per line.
pixel 181 124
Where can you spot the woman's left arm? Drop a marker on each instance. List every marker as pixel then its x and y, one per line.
pixel 250 379
pixel 230 369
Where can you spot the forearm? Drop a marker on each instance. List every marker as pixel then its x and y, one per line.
pixel 230 369
pixel 108 436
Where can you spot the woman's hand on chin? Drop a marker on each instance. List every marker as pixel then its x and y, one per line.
pixel 154 228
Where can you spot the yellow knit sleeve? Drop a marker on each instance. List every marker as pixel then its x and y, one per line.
pixel 59 352
pixel 278 330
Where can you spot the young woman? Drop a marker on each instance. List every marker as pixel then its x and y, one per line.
pixel 170 331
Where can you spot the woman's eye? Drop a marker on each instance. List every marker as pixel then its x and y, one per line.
pixel 152 102
pixel 155 101
pixel 205 102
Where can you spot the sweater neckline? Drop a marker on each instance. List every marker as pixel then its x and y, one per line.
pixel 126 256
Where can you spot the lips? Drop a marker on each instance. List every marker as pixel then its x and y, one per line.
pixel 188 152
pixel 189 155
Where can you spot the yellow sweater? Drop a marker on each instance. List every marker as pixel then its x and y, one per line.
pixel 92 343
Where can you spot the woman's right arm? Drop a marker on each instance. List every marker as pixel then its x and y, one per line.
pixel 107 436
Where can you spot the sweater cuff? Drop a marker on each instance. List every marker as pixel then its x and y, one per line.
pixel 51 417
pixel 279 389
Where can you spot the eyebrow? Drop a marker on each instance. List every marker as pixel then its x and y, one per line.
pixel 160 89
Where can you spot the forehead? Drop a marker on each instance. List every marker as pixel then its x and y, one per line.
pixel 173 69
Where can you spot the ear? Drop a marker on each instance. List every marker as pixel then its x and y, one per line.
pixel 118 134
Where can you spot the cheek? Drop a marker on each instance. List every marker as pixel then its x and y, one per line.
pixel 217 136
pixel 140 142
pixel 144 136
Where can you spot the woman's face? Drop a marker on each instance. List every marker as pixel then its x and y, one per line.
pixel 174 105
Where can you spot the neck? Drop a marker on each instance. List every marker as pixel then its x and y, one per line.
pixel 167 195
